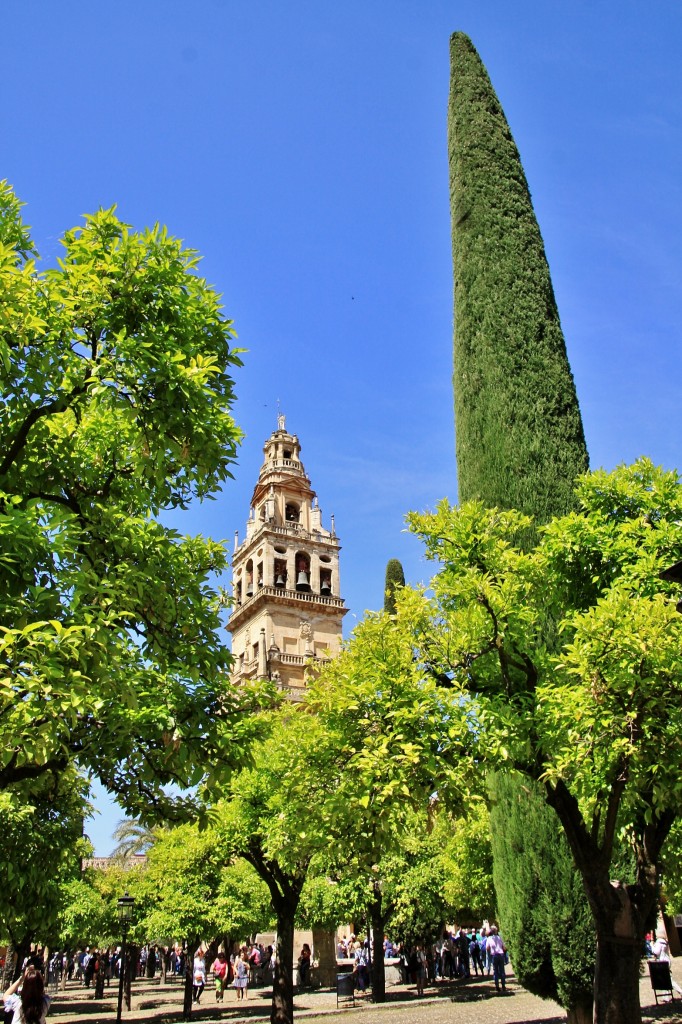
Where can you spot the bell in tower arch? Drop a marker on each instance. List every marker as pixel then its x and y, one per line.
pixel 302 572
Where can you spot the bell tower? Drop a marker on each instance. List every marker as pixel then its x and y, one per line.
pixel 287 607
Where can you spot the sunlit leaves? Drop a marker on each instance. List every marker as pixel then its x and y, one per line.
pixel 570 655
pixel 116 405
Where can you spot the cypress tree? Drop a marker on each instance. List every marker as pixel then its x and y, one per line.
pixel 547 921
pixel 520 444
pixel 395 577
pixel 520 440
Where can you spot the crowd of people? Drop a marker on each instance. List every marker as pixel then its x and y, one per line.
pixel 91 967
pixel 249 961
pixel 27 1001
pixel 457 954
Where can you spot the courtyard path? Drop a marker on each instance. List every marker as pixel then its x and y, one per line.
pixel 457 1002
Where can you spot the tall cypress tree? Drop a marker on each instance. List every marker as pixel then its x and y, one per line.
pixel 520 444
pixel 546 919
pixel 395 577
pixel 520 440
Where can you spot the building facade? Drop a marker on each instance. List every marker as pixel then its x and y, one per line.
pixel 288 611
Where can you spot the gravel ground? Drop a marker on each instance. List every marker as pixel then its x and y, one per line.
pixel 472 1002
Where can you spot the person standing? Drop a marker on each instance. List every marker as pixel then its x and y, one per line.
pixel 485 955
pixel 304 966
pixel 421 969
pixel 100 973
pixel 198 976
pixel 445 961
pixel 496 948
pixel 29 1006
pixel 241 975
pixel 361 968
pixel 86 970
pixel 462 943
pixel 475 952
pixel 220 970
pixel 661 952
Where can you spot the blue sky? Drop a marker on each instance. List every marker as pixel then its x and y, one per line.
pixel 300 147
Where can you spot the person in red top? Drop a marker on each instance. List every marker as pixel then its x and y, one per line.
pixel 220 968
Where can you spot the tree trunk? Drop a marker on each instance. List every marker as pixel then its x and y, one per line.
pixel 8 969
pixel 211 954
pixel 580 1013
pixel 282 1009
pixel 378 967
pixel 616 981
pixel 132 954
pixel 21 951
pixel 621 912
pixel 189 979
pixel 324 949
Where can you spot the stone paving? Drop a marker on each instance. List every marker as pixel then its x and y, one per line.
pixel 457 1002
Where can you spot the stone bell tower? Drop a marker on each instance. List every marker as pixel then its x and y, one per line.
pixel 287 610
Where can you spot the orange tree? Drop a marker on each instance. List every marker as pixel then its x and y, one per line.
pixel 115 371
pixel 594 715
pixel 347 769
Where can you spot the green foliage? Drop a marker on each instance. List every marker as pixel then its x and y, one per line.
pixel 671 870
pixel 187 889
pixel 469 889
pixel 84 918
pixel 177 888
pixel 592 712
pixel 390 734
pixel 545 920
pixel 416 891
pixel 520 441
pixel 391 743
pixel 571 714
pixel 442 874
pixel 15 236
pixel 242 902
pixel 116 396
pixel 395 577
pixel 89 905
pixel 43 840
pixel 272 816
pixel 326 901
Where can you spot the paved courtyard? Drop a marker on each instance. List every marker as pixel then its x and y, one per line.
pixel 457 1002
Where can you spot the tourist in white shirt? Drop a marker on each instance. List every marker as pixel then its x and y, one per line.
pixel 661 950
pixel 496 947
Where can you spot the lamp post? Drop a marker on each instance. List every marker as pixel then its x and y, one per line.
pixel 125 916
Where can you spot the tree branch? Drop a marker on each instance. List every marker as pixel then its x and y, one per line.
pixel 19 440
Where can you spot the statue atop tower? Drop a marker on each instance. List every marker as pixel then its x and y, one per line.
pixel 288 611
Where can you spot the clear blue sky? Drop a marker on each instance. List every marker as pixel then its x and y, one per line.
pixel 301 147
